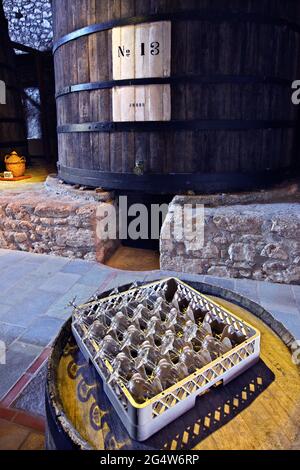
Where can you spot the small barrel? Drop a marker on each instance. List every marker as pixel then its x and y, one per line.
pixel 80 416
pixel 167 96
pixel 12 123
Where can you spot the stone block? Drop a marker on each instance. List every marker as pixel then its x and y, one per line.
pixel 54 209
pixel 20 237
pixel 275 250
pixel 20 210
pixel 241 252
pixel 243 241
pixel 286 227
pixel 51 221
pixel 75 238
pixel 221 271
pixel 238 222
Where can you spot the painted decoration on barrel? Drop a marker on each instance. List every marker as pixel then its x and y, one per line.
pixel 142 51
pixel 87 406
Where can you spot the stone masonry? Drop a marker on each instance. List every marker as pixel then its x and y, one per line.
pixel 254 241
pixel 30 22
pixel 39 221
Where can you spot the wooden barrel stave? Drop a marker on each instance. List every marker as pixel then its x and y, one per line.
pixel 251 57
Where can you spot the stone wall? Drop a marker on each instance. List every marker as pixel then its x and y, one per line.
pixel 30 22
pixel 256 241
pixel 40 221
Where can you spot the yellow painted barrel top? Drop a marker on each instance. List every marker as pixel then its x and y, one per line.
pixel 258 410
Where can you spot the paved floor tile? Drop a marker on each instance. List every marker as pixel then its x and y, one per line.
pixel 79 293
pixel 220 281
pixel 124 278
pixel 60 282
pixel 78 267
pixel 19 357
pixel 276 293
pixel 247 288
pixel 291 323
pixel 12 436
pixel 27 287
pixel 24 312
pixel 34 441
pixel 12 276
pixel 51 266
pixel 42 331
pixel 4 308
pixel 287 309
pixel 9 256
pixel 18 316
pixel 95 276
pixel 9 333
pixel 42 258
pixel 296 292
pixel 32 398
pixel 154 275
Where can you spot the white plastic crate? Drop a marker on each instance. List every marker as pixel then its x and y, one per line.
pixel 143 420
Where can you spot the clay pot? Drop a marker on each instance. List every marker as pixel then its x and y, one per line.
pixel 15 164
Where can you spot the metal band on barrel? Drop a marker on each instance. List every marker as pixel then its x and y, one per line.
pixel 154 183
pixel 175 80
pixel 191 125
pixel 205 15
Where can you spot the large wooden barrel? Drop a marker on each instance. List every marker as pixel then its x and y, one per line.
pixel 258 410
pixel 213 113
pixel 12 123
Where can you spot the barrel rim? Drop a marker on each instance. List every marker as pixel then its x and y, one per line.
pixel 56 407
pixel 215 16
pixel 176 125
pixel 174 182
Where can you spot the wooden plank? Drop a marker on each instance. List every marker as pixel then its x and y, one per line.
pixel 142 103
pixel 142 51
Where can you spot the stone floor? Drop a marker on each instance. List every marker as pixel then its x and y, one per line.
pixel 36 290
pixel 20 431
pixel 136 259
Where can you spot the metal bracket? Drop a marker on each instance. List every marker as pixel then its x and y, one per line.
pixel 139 168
